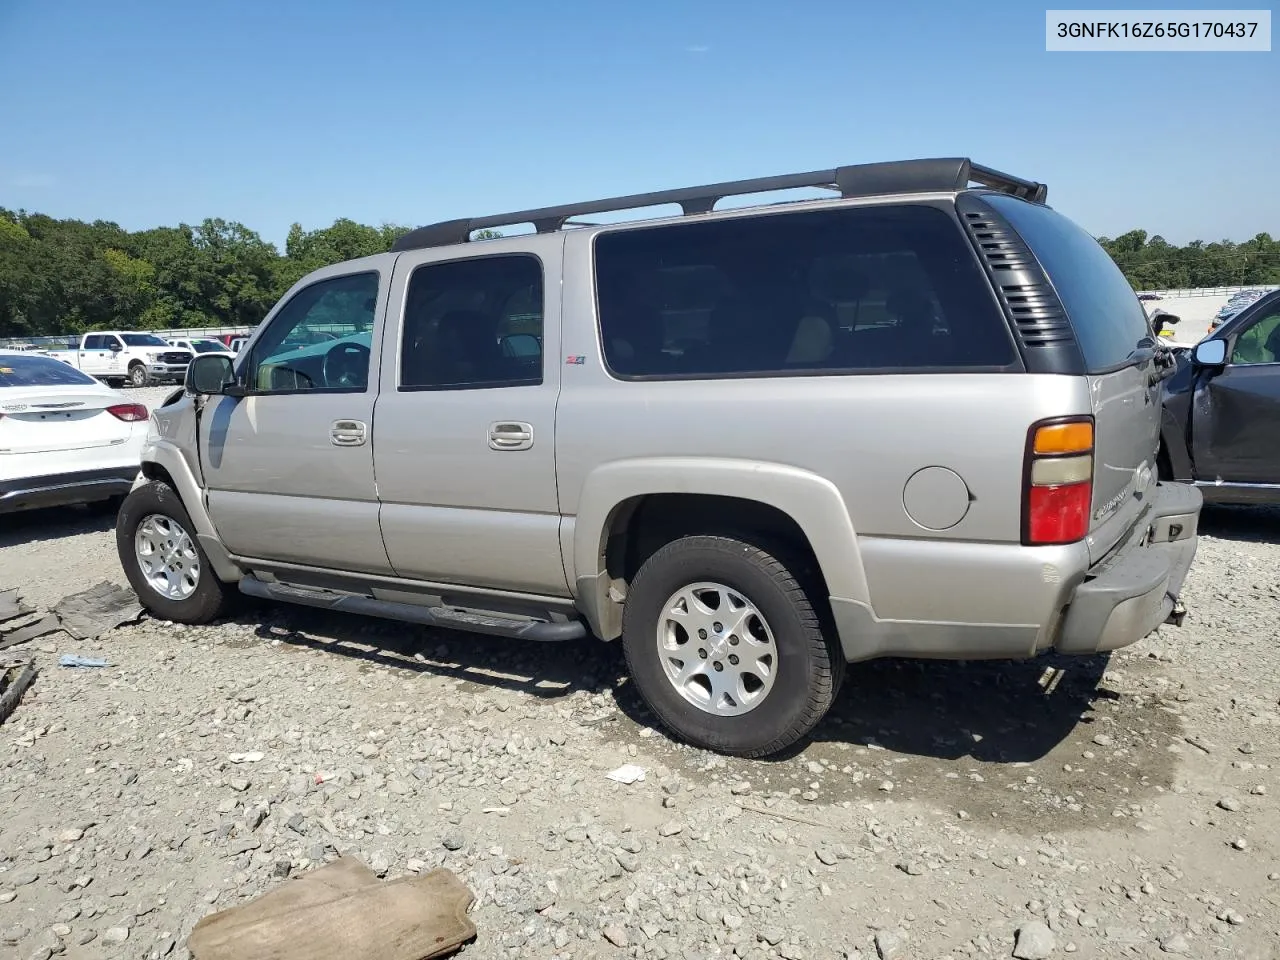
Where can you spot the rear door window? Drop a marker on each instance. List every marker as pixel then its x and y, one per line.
pixel 1103 307
pixel 837 291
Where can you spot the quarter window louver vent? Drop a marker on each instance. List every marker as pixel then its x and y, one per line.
pixel 1028 298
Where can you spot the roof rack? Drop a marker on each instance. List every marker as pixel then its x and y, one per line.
pixel 860 180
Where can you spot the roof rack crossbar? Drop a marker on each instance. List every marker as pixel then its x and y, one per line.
pixel 867 179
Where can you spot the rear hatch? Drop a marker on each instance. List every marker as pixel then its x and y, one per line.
pixel 1119 349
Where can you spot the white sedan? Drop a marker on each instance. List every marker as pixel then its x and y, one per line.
pixel 65 438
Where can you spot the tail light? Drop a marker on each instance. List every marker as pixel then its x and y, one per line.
pixel 1058 481
pixel 129 412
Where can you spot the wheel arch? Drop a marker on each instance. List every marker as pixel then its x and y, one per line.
pixel 163 462
pixel 630 508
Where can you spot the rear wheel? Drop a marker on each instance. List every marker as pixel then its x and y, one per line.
pixel 164 562
pixel 137 375
pixel 726 647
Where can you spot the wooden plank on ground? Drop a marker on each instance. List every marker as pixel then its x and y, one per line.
pixel 340 912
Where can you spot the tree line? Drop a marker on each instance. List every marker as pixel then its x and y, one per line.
pixel 67 276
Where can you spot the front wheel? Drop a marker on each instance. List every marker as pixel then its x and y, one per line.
pixel 137 375
pixel 726 648
pixel 164 562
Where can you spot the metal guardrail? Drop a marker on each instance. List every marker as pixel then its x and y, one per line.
pixel 1210 291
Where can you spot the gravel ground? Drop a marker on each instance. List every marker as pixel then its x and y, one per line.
pixel 1096 808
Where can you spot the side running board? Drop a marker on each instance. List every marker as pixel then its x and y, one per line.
pixel 445 617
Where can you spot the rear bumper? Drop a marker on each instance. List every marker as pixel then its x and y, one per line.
pixel 1136 589
pixel 65 489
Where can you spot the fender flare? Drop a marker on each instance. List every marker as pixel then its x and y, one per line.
pixel 812 501
pixel 169 458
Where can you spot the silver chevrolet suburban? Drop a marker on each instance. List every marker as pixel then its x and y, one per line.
pixel 916 415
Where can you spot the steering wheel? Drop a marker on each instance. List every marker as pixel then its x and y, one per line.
pixel 346 365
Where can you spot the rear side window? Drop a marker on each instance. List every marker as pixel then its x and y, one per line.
pixel 19 371
pixel 1103 308
pixel 474 323
pixel 832 291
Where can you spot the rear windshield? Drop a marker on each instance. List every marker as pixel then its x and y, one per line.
pixel 208 346
pixel 143 340
pixel 20 371
pixel 1103 307
pixel 893 288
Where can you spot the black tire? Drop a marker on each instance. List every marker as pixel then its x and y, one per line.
pixel 211 597
pixel 138 375
pixel 810 665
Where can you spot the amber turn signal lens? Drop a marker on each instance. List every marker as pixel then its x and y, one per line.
pixel 1064 438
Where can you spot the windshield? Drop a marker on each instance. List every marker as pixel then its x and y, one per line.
pixel 17 370
pixel 208 346
pixel 142 340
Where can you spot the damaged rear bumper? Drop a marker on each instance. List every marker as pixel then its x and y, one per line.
pixel 1136 589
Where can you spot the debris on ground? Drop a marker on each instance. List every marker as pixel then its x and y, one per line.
pixel 32 630
pixel 91 613
pixel 627 774
pixel 11 605
pixel 15 677
pixel 75 660
pixel 340 911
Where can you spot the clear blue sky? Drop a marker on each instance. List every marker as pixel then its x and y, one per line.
pixel 277 111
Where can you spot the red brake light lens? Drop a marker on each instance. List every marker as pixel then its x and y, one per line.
pixel 1059 514
pixel 129 412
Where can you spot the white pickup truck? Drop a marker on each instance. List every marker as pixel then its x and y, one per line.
pixel 133 358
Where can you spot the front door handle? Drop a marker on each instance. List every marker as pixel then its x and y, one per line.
pixel 348 433
pixel 510 435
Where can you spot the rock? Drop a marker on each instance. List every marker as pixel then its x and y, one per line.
pixel 1229 803
pixel 1240 843
pixel 671 828
pixel 826 857
pixel 14 935
pixel 1247 748
pixel 891 944
pixel 1175 944
pixel 1104 740
pixel 1035 941
pixel 380 862
pixel 616 935
pixel 453 839
pixel 73 835
pixel 740 789
pixel 281 869
pixel 297 823
pixel 115 935
pixel 8 896
pixel 814 767
pixel 238 784
pixel 40 953
pixel 770 935
pixel 60 930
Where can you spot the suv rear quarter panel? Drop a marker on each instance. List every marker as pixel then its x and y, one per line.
pixel 836 452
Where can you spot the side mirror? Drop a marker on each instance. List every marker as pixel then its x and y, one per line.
pixel 210 375
pixel 115 346
pixel 1211 353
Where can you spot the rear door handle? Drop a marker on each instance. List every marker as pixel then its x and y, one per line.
pixel 510 435
pixel 348 433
